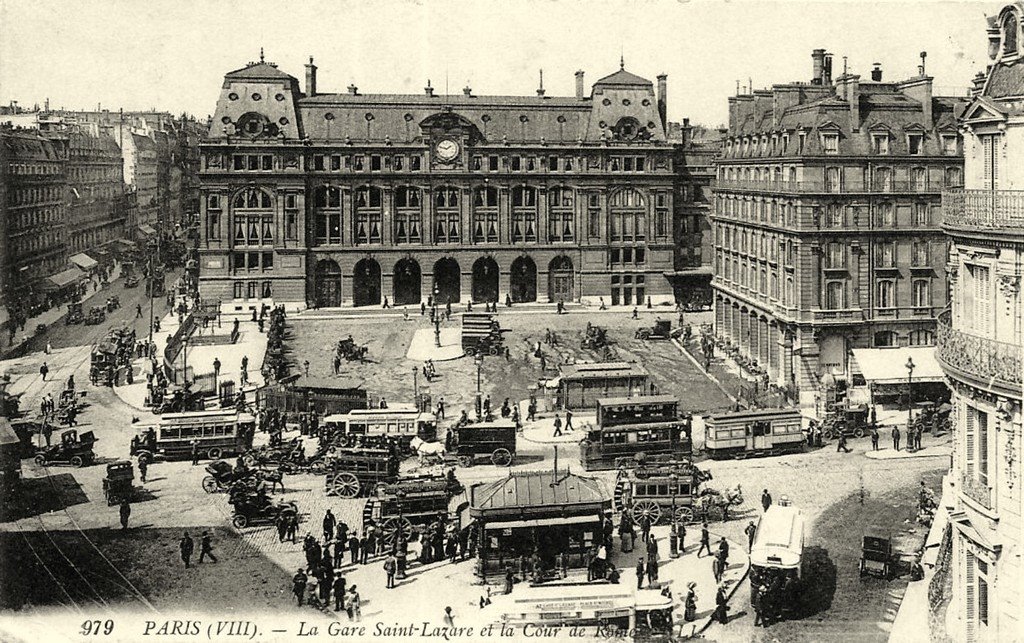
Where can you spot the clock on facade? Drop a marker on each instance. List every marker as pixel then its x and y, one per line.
pixel 446 149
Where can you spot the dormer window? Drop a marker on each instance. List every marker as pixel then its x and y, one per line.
pixel 915 143
pixel 880 143
pixel 949 144
pixel 1010 35
pixel 830 143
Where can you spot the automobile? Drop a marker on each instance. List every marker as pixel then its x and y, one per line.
pixel 250 508
pixel 97 315
pixel 117 485
pixel 876 553
pixel 73 449
pixel 662 329
pixel 75 315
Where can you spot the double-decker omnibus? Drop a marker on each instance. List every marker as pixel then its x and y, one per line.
pixel 403 422
pixel 217 433
pixel 628 426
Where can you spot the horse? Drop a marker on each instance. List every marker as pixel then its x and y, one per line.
pixel 427 450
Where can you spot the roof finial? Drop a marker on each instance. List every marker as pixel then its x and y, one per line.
pixel 542 79
pixel 622 61
pixel 261 54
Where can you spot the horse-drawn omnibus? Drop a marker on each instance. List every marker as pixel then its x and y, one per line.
pixel 217 434
pixel 627 426
pixel 776 554
pixel 402 422
pixel 755 432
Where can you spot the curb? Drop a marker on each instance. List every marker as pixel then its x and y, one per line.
pixel 945 453
pixel 732 592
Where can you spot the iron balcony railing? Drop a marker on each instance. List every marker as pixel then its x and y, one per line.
pixel 986 209
pixel 986 359
pixel 828 187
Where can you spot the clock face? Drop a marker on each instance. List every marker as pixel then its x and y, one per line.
pixel 447 149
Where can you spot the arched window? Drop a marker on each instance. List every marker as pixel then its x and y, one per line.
pixel 485 215
pixel 408 215
pixel 327 215
pixel 524 214
pixel 1010 34
pixel 253 218
pixel 561 217
pixel 368 215
pixel 446 215
pixel 885 338
pixel 628 213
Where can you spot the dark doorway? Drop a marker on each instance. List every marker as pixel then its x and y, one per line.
pixel 560 279
pixel 447 281
pixel 366 283
pixel 523 280
pixel 407 282
pixel 327 284
pixel 485 280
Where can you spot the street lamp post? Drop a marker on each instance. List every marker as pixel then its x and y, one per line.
pixel 910 392
pixel 673 535
pixel 416 386
pixel 479 361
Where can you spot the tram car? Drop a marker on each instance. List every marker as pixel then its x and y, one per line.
pixel 665 492
pixel 404 422
pixel 397 506
pixel 753 433
pixel 356 471
pixel 495 441
pixel 776 555
pixel 630 426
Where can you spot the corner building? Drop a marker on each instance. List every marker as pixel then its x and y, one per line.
pixel 827 221
pixel 980 348
pixel 344 199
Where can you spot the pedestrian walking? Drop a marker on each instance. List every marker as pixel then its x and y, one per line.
pixel 43 370
pixel 841 444
pixel 299 582
pixel 138 311
pixel 690 611
pixel 757 602
pixel 206 548
pixel 652 572
pixel 143 467
pixel 635 313
pixel 510 577
pixel 723 551
pixel 305 367
pixel 721 606
pixel 216 367
pixel 186 546
pixel 766 499
pixel 568 421
pixel 716 569
pixel 896 438
pixel 874 438
pixel 354 605
pixel 293 527
pixel 125 511
pixel 640 570
pixel 390 567
pixel 705 540
pixel 448 620
pixel 558 426
pixel 282 527
pixel 339 593
pixel 750 530
pixel 330 522
pixel 353 547
pixel 386 303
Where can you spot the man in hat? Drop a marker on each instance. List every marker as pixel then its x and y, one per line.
pixel 640 569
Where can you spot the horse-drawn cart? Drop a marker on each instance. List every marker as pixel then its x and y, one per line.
pixel 397 506
pixel 357 471
pixel 667 491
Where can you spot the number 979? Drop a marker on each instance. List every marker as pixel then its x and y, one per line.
pixel 96 628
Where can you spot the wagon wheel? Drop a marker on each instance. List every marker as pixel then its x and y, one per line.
pixel 345 485
pixel 40 460
pixel 828 433
pixel 501 457
pixel 391 526
pixel 250 460
pixel 318 468
pixel 715 512
pixel 858 432
pixel 645 335
pixel 684 515
pixel 466 460
pixel 492 350
pixel 240 521
pixel 470 351
pixel 646 510
pixel 76 461
pixel 214 453
pixel 210 485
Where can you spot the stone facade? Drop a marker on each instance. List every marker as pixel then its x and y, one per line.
pixel 345 199
pixel 826 222
pixel 980 347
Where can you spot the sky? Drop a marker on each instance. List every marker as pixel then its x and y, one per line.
pixel 173 54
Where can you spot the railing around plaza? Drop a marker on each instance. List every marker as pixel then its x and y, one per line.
pixel 986 209
pixel 988 359
pixel 976 490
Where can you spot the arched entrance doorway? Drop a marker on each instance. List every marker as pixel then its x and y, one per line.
pixel 446 281
pixel 366 283
pixel 327 284
pixel 523 280
pixel 485 280
pixel 407 282
pixel 560 279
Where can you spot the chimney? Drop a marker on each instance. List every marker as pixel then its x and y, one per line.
pixel 978 84
pixel 540 89
pixel 579 85
pixel 686 132
pixel 310 78
pixel 818 59
pixel 353 90
pixel 827 79
pixel 853 96
pixel 663 99
pixel 428 90
pixel 920 68
pixel 876 73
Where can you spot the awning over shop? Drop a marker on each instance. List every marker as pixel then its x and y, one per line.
pixel 889 365
pixel 83 261
pixel 66 277
pixel 147 230
pixel 540 522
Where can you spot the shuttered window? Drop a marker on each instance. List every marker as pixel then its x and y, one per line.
pixel 990 144
pixel 971 597
pixel 969 436
pixel 982 304
pixel 981 430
